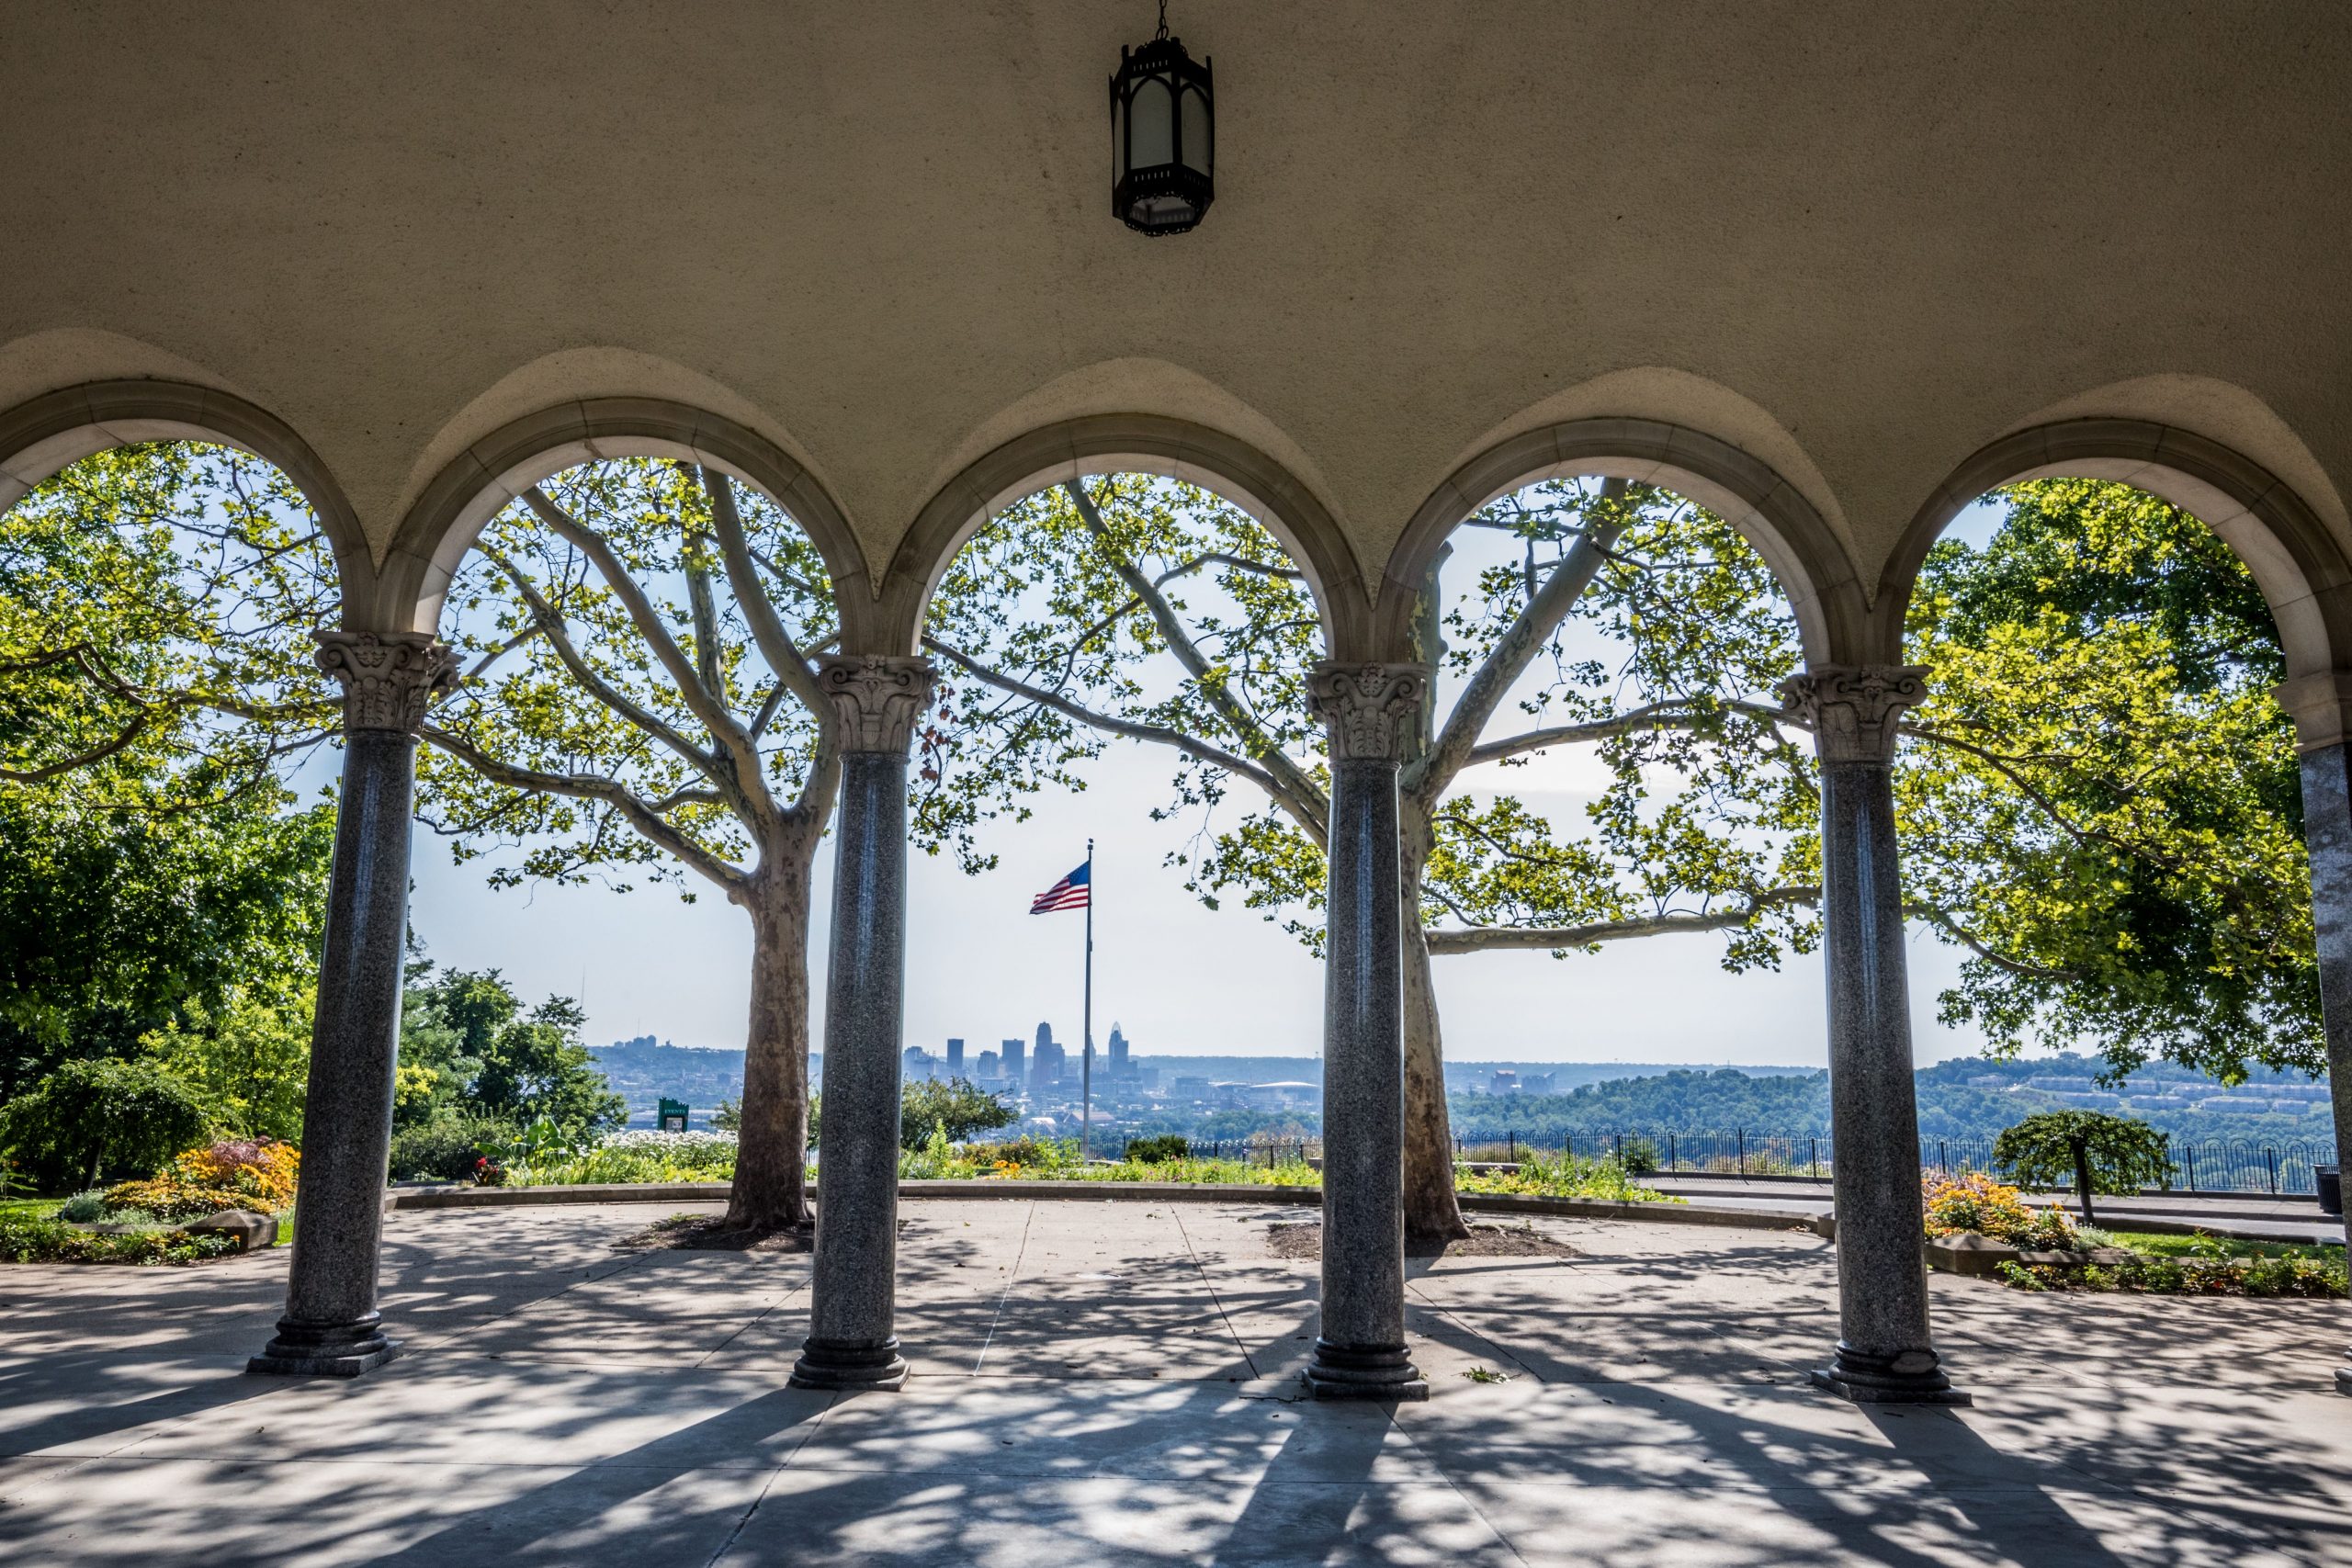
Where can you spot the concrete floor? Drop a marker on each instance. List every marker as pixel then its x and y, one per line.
pixel 1116 1384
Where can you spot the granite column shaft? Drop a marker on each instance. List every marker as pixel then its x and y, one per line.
pixel 853 1342
pixel 1359 1351
pixel 1885 1353
pixel 332 1326
pixel 2327 831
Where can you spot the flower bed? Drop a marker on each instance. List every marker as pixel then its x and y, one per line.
pixel 1974 1202
pixel 636 1157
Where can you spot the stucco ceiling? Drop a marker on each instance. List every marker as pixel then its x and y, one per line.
pixel 1857 241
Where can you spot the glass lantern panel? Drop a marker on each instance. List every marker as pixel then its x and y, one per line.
pixel 1196 131
pixel 1151 127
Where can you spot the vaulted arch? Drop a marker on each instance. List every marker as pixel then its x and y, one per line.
pixel 1772 514
pixel 492 472
pixel 1148 443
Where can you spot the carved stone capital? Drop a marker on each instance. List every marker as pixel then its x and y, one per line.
pixel 1853 709
pixel 877 700
pixel 1365 706
pixel 388 678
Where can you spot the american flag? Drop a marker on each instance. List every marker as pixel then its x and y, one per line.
pixel 1069 893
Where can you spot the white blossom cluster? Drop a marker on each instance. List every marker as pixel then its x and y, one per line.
pixel 646 1140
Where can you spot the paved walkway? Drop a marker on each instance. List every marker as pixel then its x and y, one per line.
pixel 1116 1384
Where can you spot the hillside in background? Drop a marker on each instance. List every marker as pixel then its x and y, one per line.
pixel 1967 1097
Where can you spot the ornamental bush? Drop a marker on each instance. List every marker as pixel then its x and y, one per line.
pixel 1153 1150
pixel 263 1170
pixel 1976 1202
pixel 169 1199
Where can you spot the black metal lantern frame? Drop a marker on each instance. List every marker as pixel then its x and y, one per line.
pixel 1163 137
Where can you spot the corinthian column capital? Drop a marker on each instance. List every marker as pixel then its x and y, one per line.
pixel 388 678
pixel 876 699
pixel 1365 706
pixel 1853 709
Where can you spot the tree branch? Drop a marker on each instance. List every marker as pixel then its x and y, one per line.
pixel 595 787
pixel 1485 939
pixel 1293 778
pixel 1429 777
pixel 1308 819
pixel 707 705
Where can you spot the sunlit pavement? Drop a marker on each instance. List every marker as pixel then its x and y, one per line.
pixel 1101 1382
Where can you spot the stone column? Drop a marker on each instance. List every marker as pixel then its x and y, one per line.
pixel 330 1327
pixel 1360 1352
pixel 851 1342
pixel 2322 705
pixel 1884 1352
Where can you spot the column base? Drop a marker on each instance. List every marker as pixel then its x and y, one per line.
pixel 1909 1377
pixel 325 1349
pixel 1348 1371
pixel 849 1365
pixel 2344 1380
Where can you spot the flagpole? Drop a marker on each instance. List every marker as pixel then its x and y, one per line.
pixel 1086 1025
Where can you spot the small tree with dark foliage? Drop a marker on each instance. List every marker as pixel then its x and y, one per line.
pixel 2114 1154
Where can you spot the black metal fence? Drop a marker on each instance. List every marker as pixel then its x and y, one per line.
pixel 2280 1167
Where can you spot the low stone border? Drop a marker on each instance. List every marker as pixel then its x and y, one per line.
pixel 1108 1192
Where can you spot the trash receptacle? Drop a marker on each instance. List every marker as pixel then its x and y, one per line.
pixel 2329 1180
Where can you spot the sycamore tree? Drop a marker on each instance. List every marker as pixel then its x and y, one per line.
pixel 1623 626
pixel 640 701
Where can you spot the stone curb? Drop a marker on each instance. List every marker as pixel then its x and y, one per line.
pixel 1105 1191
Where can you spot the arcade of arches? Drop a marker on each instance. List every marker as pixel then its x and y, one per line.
pixel 1771 267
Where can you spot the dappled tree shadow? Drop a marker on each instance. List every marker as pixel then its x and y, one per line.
pixel 1655 1413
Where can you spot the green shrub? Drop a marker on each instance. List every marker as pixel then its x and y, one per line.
pixel 24 1240
pixel 445 1148
pixel 1163 1146
pixel 88 1116
pixel 1639 1157
pixel 83 1207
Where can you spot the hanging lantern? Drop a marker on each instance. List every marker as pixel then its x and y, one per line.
pixel 1163 136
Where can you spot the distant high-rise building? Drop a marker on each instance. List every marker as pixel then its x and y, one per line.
pixel 1045 1035
pixel 917 1063
pixel 1505 1081
pixel 1015 1072
pixel 1046 1066
pixel 986 1071
pixel 1118 1053
pixel 954 1058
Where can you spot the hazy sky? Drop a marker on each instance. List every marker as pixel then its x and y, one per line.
pixel 1176 976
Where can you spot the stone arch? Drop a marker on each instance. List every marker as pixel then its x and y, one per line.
pixel 2297 561
pixel 489 474
pixel 46 433
pixel 1175 448
pixel 1785 528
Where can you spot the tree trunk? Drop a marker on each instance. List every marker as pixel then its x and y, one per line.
pixel 1431 1212
pixel 771 1189
pixel 2083 1180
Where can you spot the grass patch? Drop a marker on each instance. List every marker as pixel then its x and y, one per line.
pixel 2204 1246
pixel 1562 1176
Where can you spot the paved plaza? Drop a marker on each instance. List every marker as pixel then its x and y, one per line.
pixel 1116 1382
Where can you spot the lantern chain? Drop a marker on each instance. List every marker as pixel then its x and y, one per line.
pixel 1163 21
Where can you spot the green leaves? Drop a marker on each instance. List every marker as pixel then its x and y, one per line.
pixel 2105 809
